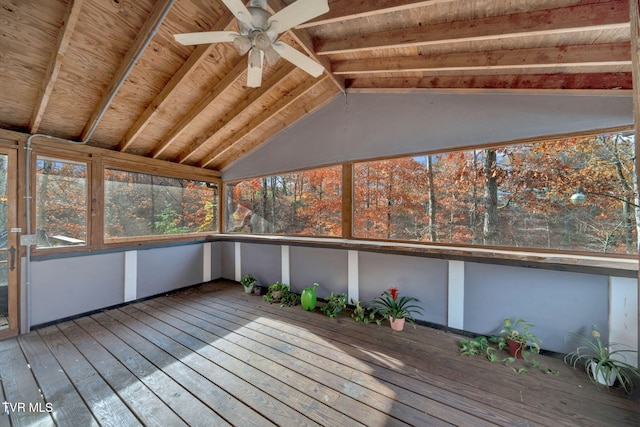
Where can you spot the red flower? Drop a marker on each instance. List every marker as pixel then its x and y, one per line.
pixel 394 293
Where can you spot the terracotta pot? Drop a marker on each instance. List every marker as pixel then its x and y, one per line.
pixel 396 324
pixel 515 349
pixel 276 295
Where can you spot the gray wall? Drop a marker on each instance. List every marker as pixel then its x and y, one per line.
pixel 165 269
pixel 65 287
pixel 216 260
pixel 555 302
pixel 263 262
pixel 360 126
pixel 327 267
pixel 227 260
pixel 423 278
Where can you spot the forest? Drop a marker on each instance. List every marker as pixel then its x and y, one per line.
pixel 514 196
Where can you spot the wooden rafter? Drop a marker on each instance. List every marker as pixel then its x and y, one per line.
pixel 235 74
pixel 57 57
pixel 570 57
pixel 254 96
pixel 274 109
pixel 344 10
pixel 532 82
pixel 145 32
pixel 596 17
pixel 304 40
pixel 193 62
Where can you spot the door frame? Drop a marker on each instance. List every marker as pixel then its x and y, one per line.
pixel 13 236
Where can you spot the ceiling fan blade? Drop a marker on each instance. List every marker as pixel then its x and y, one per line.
pixel 254 72
pixel 239 10
pixel 298 59
pixel 206 37
pixel 298 12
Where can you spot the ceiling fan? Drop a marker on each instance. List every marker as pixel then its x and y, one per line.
pixel 259 31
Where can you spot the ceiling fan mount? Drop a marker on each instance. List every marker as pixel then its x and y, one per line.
pixel 258 35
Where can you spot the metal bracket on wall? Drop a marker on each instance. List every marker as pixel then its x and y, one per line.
pixel 28 239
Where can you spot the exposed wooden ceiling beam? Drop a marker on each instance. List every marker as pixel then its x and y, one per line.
pixel 548 82
pixel 274 109
pixel 596 17
pixel 196 58
pixel 567 57
pixel 344 10
pixel 55 63
pixel 254 96
pixel 155 17
pixel 235 74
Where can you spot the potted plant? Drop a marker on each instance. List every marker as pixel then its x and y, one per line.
pixel 603 364
pixel 248 282
pixel 397 309
pixel 518 338
pixel 275 292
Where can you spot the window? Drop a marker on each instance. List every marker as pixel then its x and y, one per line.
pixel 138 204
pixel 61 202
pixel 303 203
pixel 515 196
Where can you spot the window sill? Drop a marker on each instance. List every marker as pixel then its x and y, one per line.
pixel 622 266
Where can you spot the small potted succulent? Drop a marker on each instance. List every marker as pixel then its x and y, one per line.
pixel 603 363
pixel 248 282
pixel 397 309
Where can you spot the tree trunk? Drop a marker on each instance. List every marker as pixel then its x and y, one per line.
pixel 490 229
pixel 432 201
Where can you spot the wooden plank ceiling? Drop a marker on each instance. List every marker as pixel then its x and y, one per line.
pixel 60 61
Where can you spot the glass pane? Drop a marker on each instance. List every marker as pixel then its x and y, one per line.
pixel 61 202
pixel 303 203
pixel 138 204
pixel 516 196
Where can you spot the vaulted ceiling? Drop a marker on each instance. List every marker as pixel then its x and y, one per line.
pixel 109 72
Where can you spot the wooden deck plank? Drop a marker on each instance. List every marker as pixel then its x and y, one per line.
pixel 502 381
pixel 67 406
pixel 273 409
pixel 402 386
pixel 384 396
pixel 104 403
pixel 365 405
pixel 271 385
pixel 214 355
pixel 186 406
pixel 24 403
pixel 149 409
pixel 225 404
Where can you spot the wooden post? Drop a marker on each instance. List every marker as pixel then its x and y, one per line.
pixel 347 200
pixel 635 71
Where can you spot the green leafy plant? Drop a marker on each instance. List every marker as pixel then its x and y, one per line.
pixel 518 331
pixel 334 304
pixel 363 314
pixel 602 363
pixel 276 292
pixel 289 299
pixel 248 281
pixel 388 304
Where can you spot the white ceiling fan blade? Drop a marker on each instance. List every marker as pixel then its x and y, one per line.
pixel 298 12
pixel 206 37
pixel 239 10
pixel 254 72
pixel 298 59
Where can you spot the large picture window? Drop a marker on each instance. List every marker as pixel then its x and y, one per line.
pixel 516 196
pixel 61 202
pixel 305 203
pixel 138 204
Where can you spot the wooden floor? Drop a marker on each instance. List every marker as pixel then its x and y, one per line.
pixel 215 356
